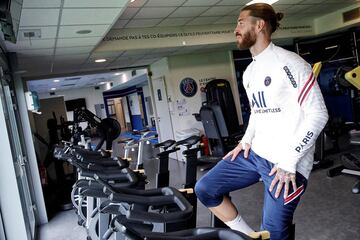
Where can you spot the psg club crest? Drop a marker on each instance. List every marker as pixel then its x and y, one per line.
pixel 188 87
pixel 267 81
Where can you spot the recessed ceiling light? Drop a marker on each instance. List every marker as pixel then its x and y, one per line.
pixel 100 60
pixel 56 80
pixel 83 31
pixel 53 89
pixel 117 74
pixel 262 1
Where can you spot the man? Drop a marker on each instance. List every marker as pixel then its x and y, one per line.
pixel 287 115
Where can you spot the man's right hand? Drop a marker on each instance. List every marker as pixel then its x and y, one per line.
pixel 233 153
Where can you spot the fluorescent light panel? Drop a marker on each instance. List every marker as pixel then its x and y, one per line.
pixel 262 1
pixel 100 60
pixel 331 47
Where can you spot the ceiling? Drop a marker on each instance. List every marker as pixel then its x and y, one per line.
pixel 79 81
pixel 57 49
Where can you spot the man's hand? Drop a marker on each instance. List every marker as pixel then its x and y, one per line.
pixel 282 178
pixel 233 153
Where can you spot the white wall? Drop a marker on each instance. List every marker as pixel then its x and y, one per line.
pixel 11 208
pixel 126 76
pixel 146 92
pixel 126 110
pixel 200 67
pixel 134 104
pixel 91 96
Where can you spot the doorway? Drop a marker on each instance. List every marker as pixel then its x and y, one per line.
pixel 18 149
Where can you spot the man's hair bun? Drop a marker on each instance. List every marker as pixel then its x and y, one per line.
pixel 279 16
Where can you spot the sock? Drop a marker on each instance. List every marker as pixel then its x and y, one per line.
pixel 240 225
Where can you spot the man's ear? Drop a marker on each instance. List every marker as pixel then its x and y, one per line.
pixel 260 25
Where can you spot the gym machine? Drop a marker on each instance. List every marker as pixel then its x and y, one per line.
pixel 351 161
pixel 108 128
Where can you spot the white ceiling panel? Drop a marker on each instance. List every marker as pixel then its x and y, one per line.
pixel 39 17
pixel 35 61
pixel 281 7
pixel 35 52
pixel 137 3
pixel 94 3
pixel 70 31
pixel 201 2
pixel 129 13
pixel 203 20
pixel 297 8
pixel 150 12
pixel 188 12
pixel 73 50
pixel 108 60
pixel 236 12
pixel 41 4
pixel 74 42
pixel 46 32
pixel 61 66
pixel 218 11
pixel 334 7
pixel 139 23
pixel 162 3
pixel 174 22
pixel 121 23
pixel 31 44
pixel 106 55
pixel 73 58
pixel 232 2
pixel 88 16
pixel 227 19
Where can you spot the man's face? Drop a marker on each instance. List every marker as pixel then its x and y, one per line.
pixel 245 31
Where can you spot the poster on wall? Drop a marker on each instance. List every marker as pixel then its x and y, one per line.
pixel 182 108
pixel 188 87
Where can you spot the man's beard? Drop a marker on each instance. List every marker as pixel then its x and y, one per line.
pixel 248 39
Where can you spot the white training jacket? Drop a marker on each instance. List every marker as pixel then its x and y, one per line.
pixel 287 109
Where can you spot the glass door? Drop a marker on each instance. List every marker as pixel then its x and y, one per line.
pixel 12 119
pixel 2 231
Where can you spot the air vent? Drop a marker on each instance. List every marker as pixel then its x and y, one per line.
pixel 351 15
pixel 68 85
pixel 30 33
pixel 72 79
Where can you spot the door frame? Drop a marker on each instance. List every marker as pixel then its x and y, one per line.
pixel 152 94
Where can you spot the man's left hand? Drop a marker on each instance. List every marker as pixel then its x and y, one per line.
pixel 282 178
